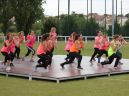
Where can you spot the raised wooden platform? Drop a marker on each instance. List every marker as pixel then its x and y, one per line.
pixel 56 73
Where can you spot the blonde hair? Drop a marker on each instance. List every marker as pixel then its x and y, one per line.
pixel 53 29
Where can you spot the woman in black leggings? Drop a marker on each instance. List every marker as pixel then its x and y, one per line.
pixel 74 53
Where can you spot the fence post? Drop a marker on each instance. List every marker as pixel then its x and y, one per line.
pixel 65 39
pixel 85 39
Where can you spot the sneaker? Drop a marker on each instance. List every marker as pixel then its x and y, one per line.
pixel 91 63
pixel 11 65
pixel 62 65
pixel 116 68
pixel 106 60
pixel 8 68
pixel 94 59
pixel 120 63
pixel 79 68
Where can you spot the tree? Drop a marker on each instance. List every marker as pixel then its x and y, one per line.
pixel 92 27
pixel 6 13
pixel 126 28
pixel 73 27
pixel 48 23
pixel 26 12
pixel 117 29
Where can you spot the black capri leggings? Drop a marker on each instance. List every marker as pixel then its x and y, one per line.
pixel 30 49
pixel 17 51
pixel 96 51
pixel 7 57
pixel 101 53
pixel 111 58
pixel 74 55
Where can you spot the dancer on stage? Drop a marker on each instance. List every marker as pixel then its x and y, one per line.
pixel 31 38
pixel 41 52
pixel 53 36
pixel 74 53
pixel 8 50
pixel 114 45
pixel 18 41
pixel 97 44
pixel 122 42
pixel 50 47
pixel 70 43
pixel 104 45
pixel 81 43
pixel 49 53
pixel 5 49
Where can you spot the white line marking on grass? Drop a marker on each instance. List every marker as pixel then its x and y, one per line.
pixel 114 79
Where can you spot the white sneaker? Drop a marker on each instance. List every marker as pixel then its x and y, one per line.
pixel 8 68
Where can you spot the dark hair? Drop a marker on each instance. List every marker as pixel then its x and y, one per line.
pixel 76 37
pixel 7 37
pixel 115 36
pixel 44 37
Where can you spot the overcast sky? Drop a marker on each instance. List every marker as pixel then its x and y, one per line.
pixel 80 6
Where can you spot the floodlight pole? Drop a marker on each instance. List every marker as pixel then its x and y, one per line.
pixel 105 13
pixel 113 17
pixel 116 11
pixel 91 9
pixel 87 15
pixel 68 15
pixel 59 17
pixel 121 12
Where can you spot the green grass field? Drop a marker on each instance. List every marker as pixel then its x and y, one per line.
pixel 117 85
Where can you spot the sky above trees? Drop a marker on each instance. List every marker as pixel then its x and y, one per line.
pixel 80 6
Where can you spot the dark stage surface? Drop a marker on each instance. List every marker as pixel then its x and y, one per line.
pixel 55 72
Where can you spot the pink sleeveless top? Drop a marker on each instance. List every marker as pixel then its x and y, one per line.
pixel 5 48
pixel 97 42
pixel 30 41
pixel 40 49
pixel 69 44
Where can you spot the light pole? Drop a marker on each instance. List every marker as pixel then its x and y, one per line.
pixel 87 15
pixel 121 12
pixel 68 15
pixel 59 17
pixel 113 17
pixel 105 13
pixel 116 11
pixel 91 9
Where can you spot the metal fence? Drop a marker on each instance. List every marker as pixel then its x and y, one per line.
pixel 85 38
pixel 65 38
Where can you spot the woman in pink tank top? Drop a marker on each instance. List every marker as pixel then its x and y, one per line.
pixel 6 49
pixel 96 46
pixel 18 41
pixel 41 52
pixel 31 38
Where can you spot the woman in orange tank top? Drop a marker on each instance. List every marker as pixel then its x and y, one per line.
pixel 74 53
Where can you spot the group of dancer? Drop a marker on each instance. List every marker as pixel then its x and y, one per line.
pixel 12 44
pixel 74 45
pixel 110 49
